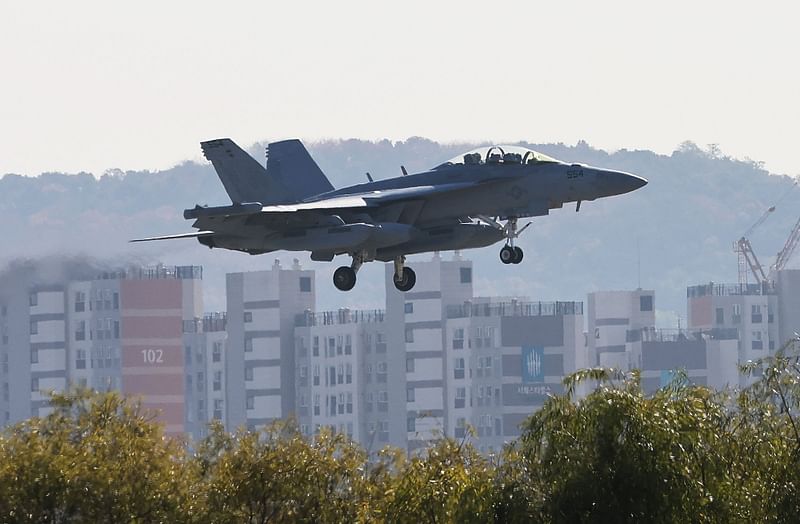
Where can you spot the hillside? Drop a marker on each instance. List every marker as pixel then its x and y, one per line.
pixel 684 222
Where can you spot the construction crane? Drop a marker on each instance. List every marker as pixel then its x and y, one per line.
pixel 788 249
pixel 747 257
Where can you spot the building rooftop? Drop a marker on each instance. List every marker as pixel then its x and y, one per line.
pixel 515 309
pixel 341 316
pixel 725 290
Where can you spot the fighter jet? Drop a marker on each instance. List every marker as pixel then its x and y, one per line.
pixel 471 201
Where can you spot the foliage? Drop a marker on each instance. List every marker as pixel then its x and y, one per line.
pixel 682 454
pixel 95 458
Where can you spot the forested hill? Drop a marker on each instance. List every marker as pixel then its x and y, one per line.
pixel 684 221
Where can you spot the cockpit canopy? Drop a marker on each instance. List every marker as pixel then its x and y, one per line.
pixel 498 155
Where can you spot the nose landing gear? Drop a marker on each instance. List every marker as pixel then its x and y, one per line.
pixel 511 254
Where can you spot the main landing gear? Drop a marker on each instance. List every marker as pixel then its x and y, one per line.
pixel 404 277
pixel 344 278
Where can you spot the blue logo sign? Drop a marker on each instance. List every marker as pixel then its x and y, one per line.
pixel 532 364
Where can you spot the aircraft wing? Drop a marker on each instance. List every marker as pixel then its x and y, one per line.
pixel 172 237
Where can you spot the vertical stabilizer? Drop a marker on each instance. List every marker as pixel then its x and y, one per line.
pixel 289 163
pixel 245 180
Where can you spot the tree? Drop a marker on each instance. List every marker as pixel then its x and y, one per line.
pixel 276 475
pixel 95 458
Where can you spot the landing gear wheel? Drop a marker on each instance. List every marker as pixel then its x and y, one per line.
pixel 344 278
pixel 406 283
pixel 508 255
pixel 517 255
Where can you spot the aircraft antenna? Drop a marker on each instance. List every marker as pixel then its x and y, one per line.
pixel 403 169
pixel 369 177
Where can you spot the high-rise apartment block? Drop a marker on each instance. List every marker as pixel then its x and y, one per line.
pixel 121 330
pixel 260 357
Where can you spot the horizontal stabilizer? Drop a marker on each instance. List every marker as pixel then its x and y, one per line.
pixel 172 237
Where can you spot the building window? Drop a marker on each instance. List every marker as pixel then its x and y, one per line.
pixel 34 356
pixel 466 275
pixel 80 359
pixel 383 431
pixel 315 347
pixel 458 338
pixel 411 424
pixel 461 427
pixel 755 314
pixel 409 335
pixel 316 375
pixel 248 316
pixel 216 352
pixel 34 299
pixel 248 345
pixel 757 340
pixel 382 372
pixel 736 317
pixel 409 307
pixel 80 330
pixel 410 395
pixel 720 313
pixel 348 344
pixel 251 402
pixel 80 301
pixel 34 384
pixel 461 397
pixel 305 284
pixel 646 303
pixel 316 404
pixel 217 384
pixel 34 327
pixel 218 409
pixel 248 374
pixel 348 373
pixel 409 365
pixel 383 401
pixel 349 402
pixel 458 368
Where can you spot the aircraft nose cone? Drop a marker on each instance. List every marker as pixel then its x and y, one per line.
pixel 619 182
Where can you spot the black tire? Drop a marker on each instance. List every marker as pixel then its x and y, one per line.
pixel 406 283
pixel 344 278
pixel 507 255
pixel 518 254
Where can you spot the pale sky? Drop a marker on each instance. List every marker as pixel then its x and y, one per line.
pixel 93 85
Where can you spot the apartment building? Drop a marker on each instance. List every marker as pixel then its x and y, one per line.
pixel 260 355
pixel 121 331
pixel 341 375
pixel 503 358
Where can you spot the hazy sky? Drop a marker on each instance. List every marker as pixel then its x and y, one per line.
pixel 92 85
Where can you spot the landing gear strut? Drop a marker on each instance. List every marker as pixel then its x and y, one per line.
pixel 344 278
pixel 511 254
pixel 404 277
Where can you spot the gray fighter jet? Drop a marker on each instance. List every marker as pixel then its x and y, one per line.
pixel 471 201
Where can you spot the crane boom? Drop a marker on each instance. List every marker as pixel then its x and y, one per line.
pixel 788 249
pixel 745 250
